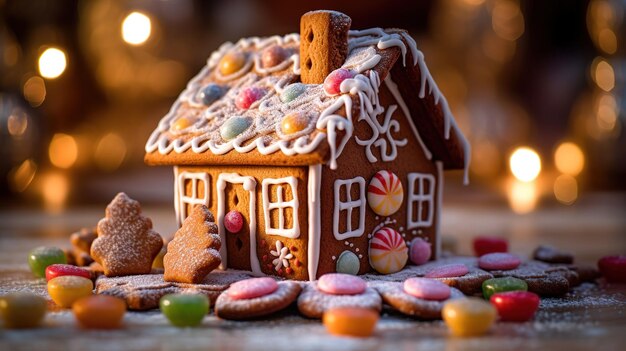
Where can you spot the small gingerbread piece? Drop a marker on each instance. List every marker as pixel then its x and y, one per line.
pixel 82 239
pixel 126 243
pixel 194 251
pixel 550 254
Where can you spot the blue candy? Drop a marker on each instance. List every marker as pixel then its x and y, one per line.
pixel 234 126
pixel 292 91
pixel 210 94
pixel 348 263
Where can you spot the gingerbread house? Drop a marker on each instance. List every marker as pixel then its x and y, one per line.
pixel 317 152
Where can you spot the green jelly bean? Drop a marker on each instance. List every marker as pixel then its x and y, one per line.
pixel 497 285
pixel 185 310
pixel 41 257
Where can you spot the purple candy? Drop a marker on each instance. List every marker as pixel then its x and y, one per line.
pixel 427 289
pixel 448 271
pixel 420 251
pixel 498 261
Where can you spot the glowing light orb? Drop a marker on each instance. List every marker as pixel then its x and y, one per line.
pixel 525 164
pixel 52 63
pixel 136 28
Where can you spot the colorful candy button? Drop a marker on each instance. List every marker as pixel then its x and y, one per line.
pixel 489 244
pixel 252 288
pixel 232 62
pixel 419 251
pixel 65 290
pixel 427 289
pixel 387 251
pixel 182 123
pixel 468 317
pixel 613 268
pixel 273 55
pixel 448 271
pixel 57 270
pixel 341 284
pixel 233 221
pixel 234 126
pixel 184 310
pixel 99 311
pixel 332 83
pixel 247 96
pixel 348 263
pixel 43 256
pixel 22 310
pixel 498 285
pixel 292 91
pixel 293 123
pixel 498 261
pixel 515 306
pixel 385 193
pixel 210 94
pixel 350 321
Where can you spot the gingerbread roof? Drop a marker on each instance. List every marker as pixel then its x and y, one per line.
pixel 200 132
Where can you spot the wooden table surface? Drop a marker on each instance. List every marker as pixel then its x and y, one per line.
pixel 591 317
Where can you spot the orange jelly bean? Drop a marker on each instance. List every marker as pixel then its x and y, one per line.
pixel 232 62
pixel 65 290
pixel 293 123
pixel 350 321
pixel 99 311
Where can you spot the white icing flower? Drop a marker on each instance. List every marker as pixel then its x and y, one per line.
pixel 283 256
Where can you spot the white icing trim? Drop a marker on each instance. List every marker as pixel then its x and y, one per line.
pixel 193 199
pixel 176 198
pixel 421 196
pixel 249 184
pixel 348 206
pixel 315 225
pixel 439 204
pixel 281 205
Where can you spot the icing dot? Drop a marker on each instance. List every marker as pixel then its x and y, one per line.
pixel 247 96
pixel 293 123
pixel 292 91
pixel 333 82
pixel 348 263
pixel 385 193
pixel 273 55
pixel 182 123
pixel 210 94
pixel 233 221
pixel 232 62
pixel 234 126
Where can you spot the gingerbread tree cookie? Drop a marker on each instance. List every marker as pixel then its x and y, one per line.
pixel 194 251
pixel 126 243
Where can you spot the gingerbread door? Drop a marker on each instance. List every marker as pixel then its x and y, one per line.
pixel 236 195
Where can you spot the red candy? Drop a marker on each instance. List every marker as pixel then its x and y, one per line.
pixel 57 270
pixel 247 96
pixel 613 268
pixel 233 221
pixel 427 289
pixel 498 261
pixel 515 306
pixel 341 284
pixel 489 244
pixel 252 288
pixel 332 83
pixel 448 271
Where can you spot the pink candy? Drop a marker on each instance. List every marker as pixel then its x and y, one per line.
pixel 498 261
pixel 332 83
pixel 427 289
pixel 341 284
pixel 233 221
pixel 448 271
pixel 420 251
pixel 247 96
pixel 252 288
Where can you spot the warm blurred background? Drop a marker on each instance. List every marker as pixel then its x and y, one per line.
pixel 537 86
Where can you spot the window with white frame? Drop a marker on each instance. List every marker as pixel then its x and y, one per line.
pixel 193 189
pixel 280 206
pixel 420 200
pixel 349 212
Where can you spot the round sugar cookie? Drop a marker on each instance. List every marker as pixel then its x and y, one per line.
pixel 313 302
pixel 385 193
pixel 393 294
pixel 228 308
pixel 387 251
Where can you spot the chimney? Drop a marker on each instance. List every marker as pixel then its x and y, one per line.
pixel 323 44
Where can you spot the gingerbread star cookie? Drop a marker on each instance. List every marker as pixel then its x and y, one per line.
pixel 126 243
pixel 194 251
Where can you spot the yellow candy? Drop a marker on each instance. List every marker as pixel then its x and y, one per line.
pixel 469 317
pixel 232 62
pixel 64 290
pixel 158 260
pixel 293 123
pixel 182 123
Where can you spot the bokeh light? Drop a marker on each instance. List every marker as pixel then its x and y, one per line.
pixel 569 159
pixel 35 91
pixel 566 189
pixel 63 150
pixel 507 20
pixel 136 28
pixel 522 196
pixel 525 164
pixel 21 176
pixel 52 63
pixel 54 189
pixel 17 123
pixel 110 152
pixel 603 74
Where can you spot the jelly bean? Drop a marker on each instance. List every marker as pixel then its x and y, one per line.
pixel 468 317
pixel 234 126
pixel 350 321
pixel 420 251
pixel 332 83
pixel 348 263
pixel 99 311
pixel 57 270
pixel 22 310
pixel 341 284
pixel 613 268
pixel 427 289
pixel 515 306
pixel 184 310
pixel 252 288
pixel 41 257
pixel 292 91
pixel 448 271
pixel 65 290
pixel 498 261
pixel 273 55
pixel 497 285
pixel 182 123
pixel 210 94
pixel 233 221
pixel 247 96
pixel 232 62
pixel 158 260
pixel 293 123
pixel 488 244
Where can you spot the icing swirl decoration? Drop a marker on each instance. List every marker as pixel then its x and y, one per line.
pixel 387 250
pixel 282 255
pixel 385 193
